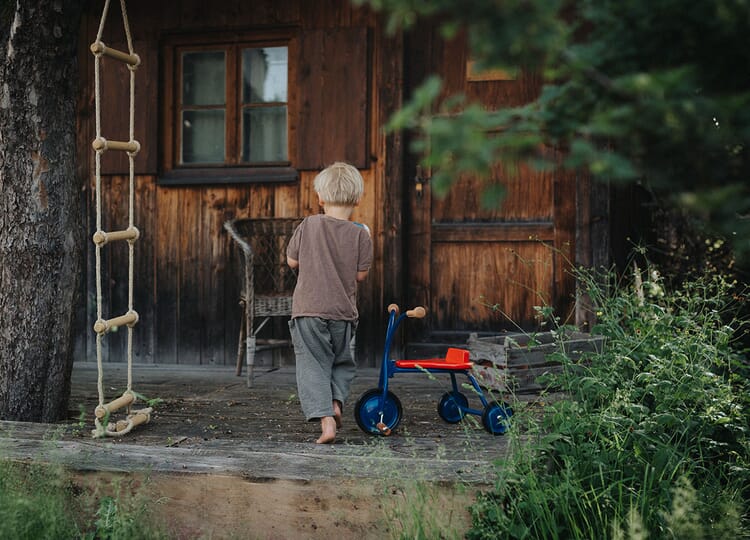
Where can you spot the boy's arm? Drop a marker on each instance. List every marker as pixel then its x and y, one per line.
pixel 294 263
pixel 362 275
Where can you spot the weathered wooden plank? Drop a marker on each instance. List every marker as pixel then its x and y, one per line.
pixel 145 302
pixel 497 94
pixel 308 199
pixel 493 232
pixel 190 310
pixel 565 241
pixel 515 349
pixel 167 261
pixel 193 14
pixel 237 200
pixel 421 49
pixel 286 200
pixel 451 62
pixel 383 201
pixel 326 14
pixel 333 75
pixel 251 460
pixel 515 361
pixel 528 197
pixel 486 286
pixel 261 201
pixel 213 258
pixel 115 191
pixel 115 99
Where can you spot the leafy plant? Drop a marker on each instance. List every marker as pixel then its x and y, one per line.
pixel 651 437
pixel 35 502
pixel 43 502
pixel 122 519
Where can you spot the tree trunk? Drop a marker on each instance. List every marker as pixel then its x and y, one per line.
pixel 40 207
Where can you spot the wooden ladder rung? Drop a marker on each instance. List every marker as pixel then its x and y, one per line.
pixel 98 47
pixel 123 401
pixel 102 144
pixel 101 237
pixel 129 319
pixel 141 416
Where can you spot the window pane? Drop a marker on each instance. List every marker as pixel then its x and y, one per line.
pixel 203 136
pixel 264 134
pixel 203 76
pixel 264 75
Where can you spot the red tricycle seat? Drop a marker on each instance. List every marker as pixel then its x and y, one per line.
pixel 455 359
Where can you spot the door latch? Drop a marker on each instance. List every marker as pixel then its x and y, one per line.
pixel 419 182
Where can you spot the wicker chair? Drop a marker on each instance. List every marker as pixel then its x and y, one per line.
pixel 268 282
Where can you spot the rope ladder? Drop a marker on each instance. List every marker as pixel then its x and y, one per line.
pixel 101 238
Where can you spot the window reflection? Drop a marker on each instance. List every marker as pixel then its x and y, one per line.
pixel 264 134
pixel 203 107
pixel 203 76
pixel 203 136
pixel 264 74
pixel 264 96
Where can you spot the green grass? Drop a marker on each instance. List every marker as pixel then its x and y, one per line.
pixel 40 502
pixel 651 439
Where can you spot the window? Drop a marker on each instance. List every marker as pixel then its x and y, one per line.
pixel 227 111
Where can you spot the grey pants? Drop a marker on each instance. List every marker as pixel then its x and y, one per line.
pixel 325 366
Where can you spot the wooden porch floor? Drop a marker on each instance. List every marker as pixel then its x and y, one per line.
pixel 209 422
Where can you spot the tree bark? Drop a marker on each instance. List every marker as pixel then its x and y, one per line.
pixel 41 247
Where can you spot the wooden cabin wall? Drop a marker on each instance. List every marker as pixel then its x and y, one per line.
pixel 187 270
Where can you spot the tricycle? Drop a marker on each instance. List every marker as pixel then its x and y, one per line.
pixel 378 411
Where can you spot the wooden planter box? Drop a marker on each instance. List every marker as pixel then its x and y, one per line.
pixel 512 362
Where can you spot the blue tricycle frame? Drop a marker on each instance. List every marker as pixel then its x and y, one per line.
pixel 378 411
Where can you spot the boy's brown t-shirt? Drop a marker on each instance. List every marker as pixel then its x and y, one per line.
pixel 330 252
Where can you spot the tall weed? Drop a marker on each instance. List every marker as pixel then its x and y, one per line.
pixel 39 501
pixel 36 502
pixel 651 437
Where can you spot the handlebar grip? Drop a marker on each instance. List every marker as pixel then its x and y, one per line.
pixel 417 313
pixel 393 307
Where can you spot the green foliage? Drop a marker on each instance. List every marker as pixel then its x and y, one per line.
pixel 651 438
pixel 35 503
pixel 124 519
pixel 636 91
pixel 40 502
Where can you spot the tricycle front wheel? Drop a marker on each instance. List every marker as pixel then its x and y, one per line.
pixel 367 412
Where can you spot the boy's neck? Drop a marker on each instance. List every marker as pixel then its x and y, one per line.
pixel 338 211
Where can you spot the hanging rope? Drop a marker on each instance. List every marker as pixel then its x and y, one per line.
pixel 101 238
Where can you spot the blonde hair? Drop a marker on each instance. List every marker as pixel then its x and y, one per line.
pixel 340 184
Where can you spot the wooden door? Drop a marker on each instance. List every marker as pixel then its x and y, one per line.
pixel 488 269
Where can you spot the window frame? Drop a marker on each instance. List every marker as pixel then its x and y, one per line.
pixel 232 170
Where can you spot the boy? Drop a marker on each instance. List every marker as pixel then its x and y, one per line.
pixel 332 255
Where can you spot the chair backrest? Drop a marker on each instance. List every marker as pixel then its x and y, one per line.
pixel 263 242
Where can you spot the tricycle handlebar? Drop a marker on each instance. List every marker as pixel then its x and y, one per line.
pixel 417 313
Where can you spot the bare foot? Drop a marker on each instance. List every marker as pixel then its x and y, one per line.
pixel 328 430
pixel 337 413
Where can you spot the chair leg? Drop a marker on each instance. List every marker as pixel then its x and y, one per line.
pixel 250 359
pixel 241 345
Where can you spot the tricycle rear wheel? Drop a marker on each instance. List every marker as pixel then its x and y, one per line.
pixel 452 406
pixel 496 417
